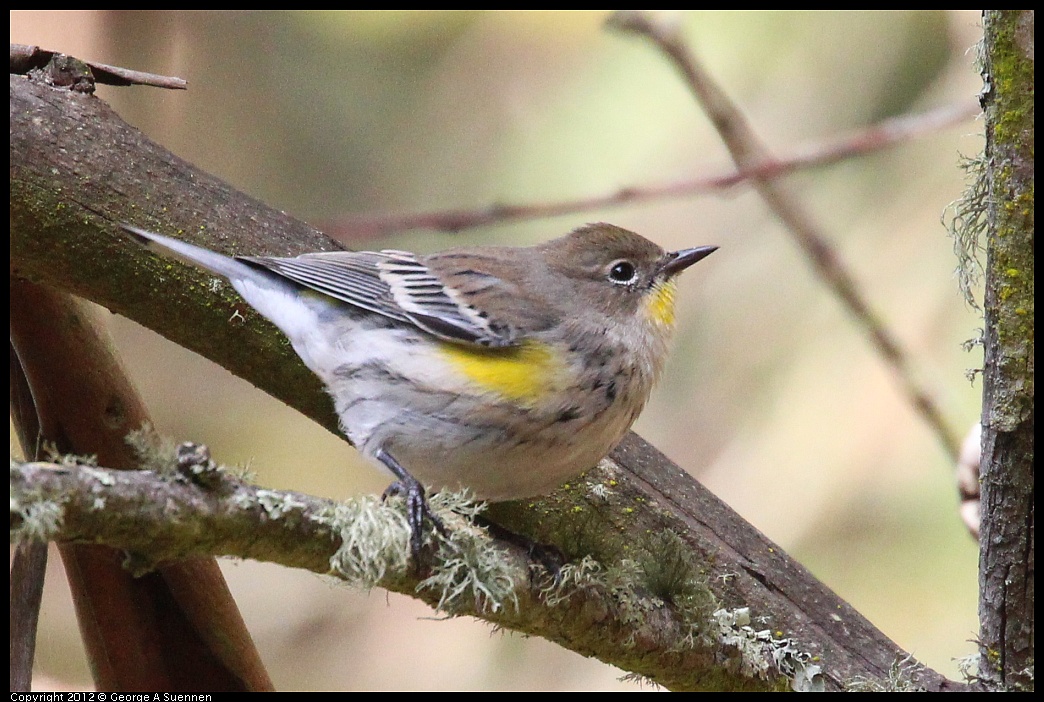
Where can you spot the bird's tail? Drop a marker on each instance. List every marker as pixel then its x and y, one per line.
pixel 216 263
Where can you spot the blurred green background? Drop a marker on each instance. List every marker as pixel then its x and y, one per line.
pixel 773 398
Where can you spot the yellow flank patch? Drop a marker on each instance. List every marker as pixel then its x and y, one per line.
pixel 660 303
pixel 523 373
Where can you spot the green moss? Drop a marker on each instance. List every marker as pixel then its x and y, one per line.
pixel 1010 120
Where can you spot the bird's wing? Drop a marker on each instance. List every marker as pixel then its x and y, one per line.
pixel 394 284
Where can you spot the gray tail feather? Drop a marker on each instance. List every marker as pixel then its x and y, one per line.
pixel 212 261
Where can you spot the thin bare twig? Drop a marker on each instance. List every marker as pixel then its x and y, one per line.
pixel 889 132
pixel 26 58
pixel 749 153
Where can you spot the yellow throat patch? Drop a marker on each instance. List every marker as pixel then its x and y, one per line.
pixel 659 303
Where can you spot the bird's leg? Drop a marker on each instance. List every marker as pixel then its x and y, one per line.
pixel 416 503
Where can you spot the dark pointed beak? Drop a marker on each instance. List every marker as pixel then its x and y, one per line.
pixel 678 261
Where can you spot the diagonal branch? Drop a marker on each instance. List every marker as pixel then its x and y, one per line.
pixel 749 153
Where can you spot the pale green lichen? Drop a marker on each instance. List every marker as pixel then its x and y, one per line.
pixel 661 576
pixel 36 521
pixel 278 505
pixel 155 453
pixel 571 579
pixel 103 477
pixel 374 541
pixel 900 679
pixel 966 221
pixel 470 571
pixel 159 454
pixel 968 667
pixel 758 652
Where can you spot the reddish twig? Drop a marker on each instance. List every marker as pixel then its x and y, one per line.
pixel 353 228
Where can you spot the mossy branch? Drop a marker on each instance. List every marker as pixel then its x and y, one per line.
pixel 185 514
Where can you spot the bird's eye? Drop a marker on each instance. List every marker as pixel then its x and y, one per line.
pixel 622 272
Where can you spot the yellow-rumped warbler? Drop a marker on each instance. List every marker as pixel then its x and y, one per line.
pixel 504 370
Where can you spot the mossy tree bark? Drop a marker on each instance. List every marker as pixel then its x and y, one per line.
pixel 1007 537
